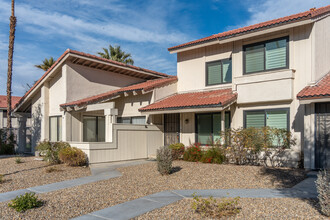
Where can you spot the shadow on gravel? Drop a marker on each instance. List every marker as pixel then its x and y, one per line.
pixel 314 203
pixel 176 169
pixel 19 171
pixel 284 177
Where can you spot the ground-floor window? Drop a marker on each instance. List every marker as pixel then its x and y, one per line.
pixel 137 120
pixel 94 129
pixel 208 127
pixel 274 118
pixel 55 128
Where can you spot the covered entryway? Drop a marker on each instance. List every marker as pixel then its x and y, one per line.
pixel 171 129
pixel 322 135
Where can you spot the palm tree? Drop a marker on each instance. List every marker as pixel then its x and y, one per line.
pixel 115 53
pixel 10 65
pixel 46 64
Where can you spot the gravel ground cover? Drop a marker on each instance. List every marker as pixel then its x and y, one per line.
pixel 251 208
pixel 33 173
pixel 141 180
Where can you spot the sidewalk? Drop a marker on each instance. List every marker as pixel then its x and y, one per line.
pixel 134 208
pixel 99 172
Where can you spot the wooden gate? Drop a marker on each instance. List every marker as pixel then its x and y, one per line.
pixel 171 129
pixel 322 133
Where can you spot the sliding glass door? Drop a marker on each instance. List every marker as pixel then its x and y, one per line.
pixel 94 129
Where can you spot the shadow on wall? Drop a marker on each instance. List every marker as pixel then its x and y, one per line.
pixel 36 126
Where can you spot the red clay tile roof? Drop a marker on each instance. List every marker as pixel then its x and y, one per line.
pixel 320 90
pixel 214 98
pixel 284 20
pixel 3 101
pixel 69 51
pixel 144 86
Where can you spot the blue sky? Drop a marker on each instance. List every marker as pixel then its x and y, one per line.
pixel 144 28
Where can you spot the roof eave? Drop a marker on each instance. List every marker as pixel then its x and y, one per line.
pixel 183 109
pixel 37 87
pixel 244 35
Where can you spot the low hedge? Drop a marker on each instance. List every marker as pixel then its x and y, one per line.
pixel 72 156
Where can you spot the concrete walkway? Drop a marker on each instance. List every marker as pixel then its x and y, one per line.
pixel 99 172
pixel 134 208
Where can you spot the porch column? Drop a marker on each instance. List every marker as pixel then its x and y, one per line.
pixel 1 119
pixel 66 127
pixel 21 136
pixel 222 124
pixel 110 119
pixel 309 136
pixel 44 132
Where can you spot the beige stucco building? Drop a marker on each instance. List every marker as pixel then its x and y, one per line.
pixel 246 77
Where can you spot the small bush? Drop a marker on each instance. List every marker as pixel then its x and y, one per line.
pixel 323 189
pixel 72 156
pixel 2 179
pixel 7 146
pixel 18 160
pixel 213 155
pixel 25 202
pixel 256 145
pixel 193 153
pixel 164 160
pixel 50 150
pixel 212 209
pixel 177 150
pixel 52 169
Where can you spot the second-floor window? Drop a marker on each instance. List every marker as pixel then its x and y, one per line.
pixel 267 55
pixel 218 72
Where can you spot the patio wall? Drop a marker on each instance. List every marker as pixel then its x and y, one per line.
pixel 130 142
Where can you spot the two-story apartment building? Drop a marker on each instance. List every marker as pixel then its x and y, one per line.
pixel 248 77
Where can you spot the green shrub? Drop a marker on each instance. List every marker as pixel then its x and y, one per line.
pixel 7 146
pixel 177 150
pixel 164 160
pixel 18 160
pixel 25 202
pixel 193 153
pixel 244 146
pixel 323 189
pixel 212 209
pixel 50 150
pixel 72 156
pixel 213 155
pixel 2 179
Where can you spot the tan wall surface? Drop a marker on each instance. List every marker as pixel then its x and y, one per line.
pixel 322 47
pixel 165 91
pixel 128 106
pixel 57 94
pixel 130 142
pixel 85 82
pixel 36 119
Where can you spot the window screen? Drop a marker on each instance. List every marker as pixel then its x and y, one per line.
pixel 254 59
pixel 255 119
pixel 219 72
pixel 266 55
pixel 214 73
pixel 276 54
pixel 274 118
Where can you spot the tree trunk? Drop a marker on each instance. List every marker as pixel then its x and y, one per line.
pixel 10 65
